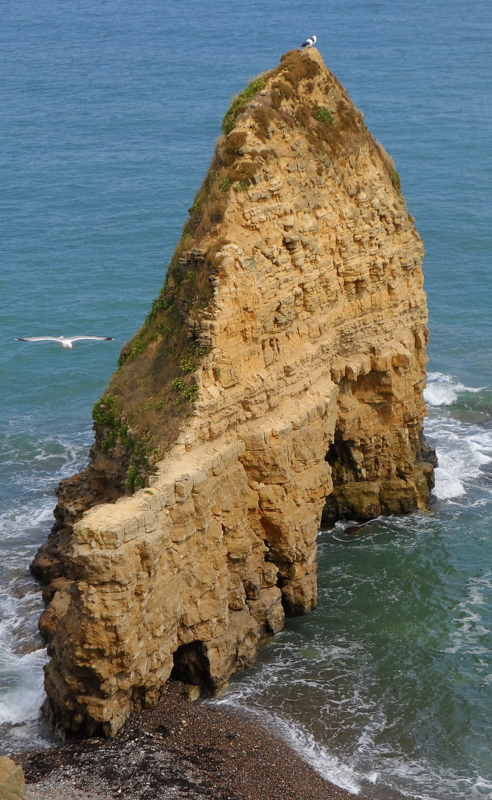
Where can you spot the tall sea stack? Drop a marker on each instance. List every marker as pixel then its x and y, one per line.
pixel 277 380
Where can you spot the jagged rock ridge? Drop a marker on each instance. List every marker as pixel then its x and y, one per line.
pixel 278 376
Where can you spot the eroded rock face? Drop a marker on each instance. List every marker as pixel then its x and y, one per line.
pixel 309 375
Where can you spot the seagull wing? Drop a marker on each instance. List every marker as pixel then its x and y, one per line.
pixel 37 339
pixel 97 338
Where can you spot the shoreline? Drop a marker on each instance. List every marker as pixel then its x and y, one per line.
pixel 179 749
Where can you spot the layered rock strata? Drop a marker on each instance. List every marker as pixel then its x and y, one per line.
pixel 278 377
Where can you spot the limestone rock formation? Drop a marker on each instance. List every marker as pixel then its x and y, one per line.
pixel 278 377
pixel 12 783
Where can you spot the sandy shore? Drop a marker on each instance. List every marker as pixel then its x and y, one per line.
pixel 179 749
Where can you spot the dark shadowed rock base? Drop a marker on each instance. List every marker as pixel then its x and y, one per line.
pixel 178 750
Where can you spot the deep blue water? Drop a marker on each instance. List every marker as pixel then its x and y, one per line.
pixel 108 116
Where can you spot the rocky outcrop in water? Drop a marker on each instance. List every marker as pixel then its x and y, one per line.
pixel 277 378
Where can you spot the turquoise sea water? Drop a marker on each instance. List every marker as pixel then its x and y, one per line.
pixel 108 116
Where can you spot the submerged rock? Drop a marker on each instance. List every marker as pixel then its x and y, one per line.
pixel 277 377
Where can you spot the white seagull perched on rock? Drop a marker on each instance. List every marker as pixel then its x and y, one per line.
pixel 309 42
pixel 64 341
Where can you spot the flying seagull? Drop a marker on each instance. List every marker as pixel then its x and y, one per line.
pixel 309 42
pixel 64 341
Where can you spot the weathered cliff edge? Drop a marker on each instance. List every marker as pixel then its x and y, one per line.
pixel 278 377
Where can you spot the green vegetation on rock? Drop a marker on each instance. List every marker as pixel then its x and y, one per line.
pixel 107 415
pixel 239 103
pixel 389 165
pixel 323 114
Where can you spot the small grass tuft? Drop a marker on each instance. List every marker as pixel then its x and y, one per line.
pixel 263 118
pixel 239 103
pixel 281 90
pixel 178 384
pixel 235 141
pixel 191 392
pixel 243 171
pixel 323 114
pixel 297 67
pixel 186 391
pixel 187 365
pixel 389 165
pixel 134 479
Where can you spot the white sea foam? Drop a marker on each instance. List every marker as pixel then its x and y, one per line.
pixel 22 655
pixel 462 447
pixel 317 756
pixel 22 692
pixel 33 513
pixel 31 466
pixel 443 390
pixel 458 454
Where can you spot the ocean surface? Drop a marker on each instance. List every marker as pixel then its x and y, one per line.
pixel 108 116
